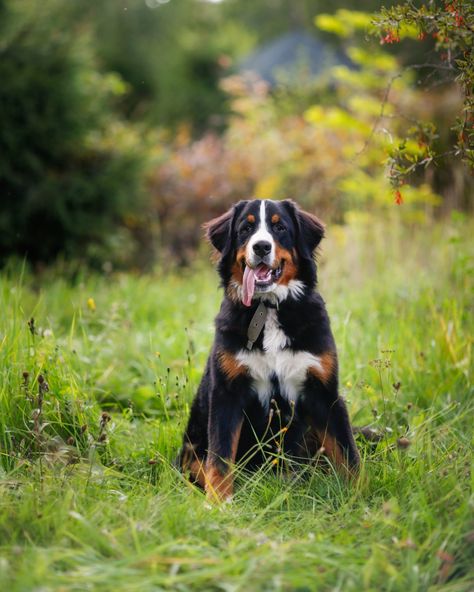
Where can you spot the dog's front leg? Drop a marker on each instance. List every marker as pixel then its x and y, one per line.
pixel 330 424
pixel 334 433
pixel 225 423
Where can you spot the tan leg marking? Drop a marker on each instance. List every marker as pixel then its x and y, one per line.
pixel 192 463
pixel 196 469
pixel 333 451
pixel 235 440
pixel 219 485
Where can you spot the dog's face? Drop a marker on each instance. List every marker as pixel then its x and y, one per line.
pixel 266 247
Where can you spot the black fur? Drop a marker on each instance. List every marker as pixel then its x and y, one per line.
pixel 226 408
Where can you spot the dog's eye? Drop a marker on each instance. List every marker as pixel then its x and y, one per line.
pixel 279 227
pixel 246 229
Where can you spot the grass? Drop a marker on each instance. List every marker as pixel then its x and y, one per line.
pixel 92 502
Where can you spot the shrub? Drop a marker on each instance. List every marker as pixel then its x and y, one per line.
pixel 331 156
pixel 70 171
pixel 450 24
pixel 435 137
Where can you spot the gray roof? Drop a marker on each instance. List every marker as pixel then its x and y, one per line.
pixel 284 55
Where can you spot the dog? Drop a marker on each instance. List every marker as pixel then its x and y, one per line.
pixel 271 381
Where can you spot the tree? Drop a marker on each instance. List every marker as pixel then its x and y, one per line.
pixel 70 169
pixel 451 25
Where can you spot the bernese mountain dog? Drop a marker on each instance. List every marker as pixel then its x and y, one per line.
pixel 269 392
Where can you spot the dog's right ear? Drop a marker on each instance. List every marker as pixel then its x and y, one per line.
pixel 219 230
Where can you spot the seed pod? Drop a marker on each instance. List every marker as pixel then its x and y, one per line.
pixel 403 443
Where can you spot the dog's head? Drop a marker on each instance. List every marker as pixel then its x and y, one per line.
pixel 266 247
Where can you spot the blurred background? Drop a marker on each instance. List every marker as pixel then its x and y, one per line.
pixel 125 124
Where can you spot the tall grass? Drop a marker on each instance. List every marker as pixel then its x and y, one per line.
pixel 96 389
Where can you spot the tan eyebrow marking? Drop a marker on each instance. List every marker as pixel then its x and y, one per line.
pixel 275 218
pixel 251 218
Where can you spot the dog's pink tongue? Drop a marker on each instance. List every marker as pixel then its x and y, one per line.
pixel 248 286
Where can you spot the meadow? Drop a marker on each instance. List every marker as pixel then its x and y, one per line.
pixel 97 375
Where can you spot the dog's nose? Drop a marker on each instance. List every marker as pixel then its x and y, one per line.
pixel 262 248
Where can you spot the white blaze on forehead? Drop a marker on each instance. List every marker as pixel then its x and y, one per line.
pixel 261 234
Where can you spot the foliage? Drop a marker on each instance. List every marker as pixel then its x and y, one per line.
pixel 70 170
pixel 451 24
pixel 90 498
pixel 423 148
pixel 318 145
pixel 172 54
pixel 79 180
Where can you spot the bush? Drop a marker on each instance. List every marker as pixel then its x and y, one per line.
pixel 436 142
pixel 450 24
pixel 70 171
pixel 330 153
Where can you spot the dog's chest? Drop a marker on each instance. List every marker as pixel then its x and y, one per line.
pixel 277 361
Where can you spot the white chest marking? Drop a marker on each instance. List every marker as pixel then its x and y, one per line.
pixel 288 366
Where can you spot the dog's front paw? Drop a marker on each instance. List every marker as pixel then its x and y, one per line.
pixel 219 484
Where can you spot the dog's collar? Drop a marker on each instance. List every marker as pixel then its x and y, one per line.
pixel 258 322
pixel 270 300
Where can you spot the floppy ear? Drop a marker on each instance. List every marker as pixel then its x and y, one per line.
pixel 310 230
pixel 218 230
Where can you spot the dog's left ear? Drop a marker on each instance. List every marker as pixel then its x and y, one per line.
pixel 310 229
pixel 219 230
